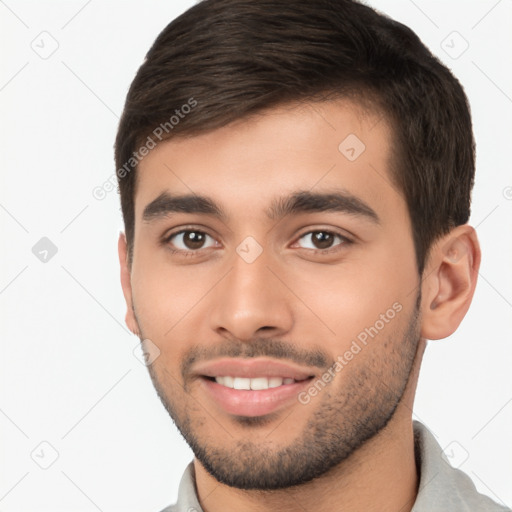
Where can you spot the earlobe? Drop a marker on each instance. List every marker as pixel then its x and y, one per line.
pixel 450 282
pixel 126 284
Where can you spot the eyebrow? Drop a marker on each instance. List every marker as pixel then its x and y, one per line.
pixel 298 202
pixel 310 202
pixel 166 204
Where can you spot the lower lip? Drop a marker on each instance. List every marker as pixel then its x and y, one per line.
pixel 252 403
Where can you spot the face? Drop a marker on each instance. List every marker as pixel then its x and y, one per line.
pixel 274 270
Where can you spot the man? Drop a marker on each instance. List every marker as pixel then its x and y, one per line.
pixel 295 182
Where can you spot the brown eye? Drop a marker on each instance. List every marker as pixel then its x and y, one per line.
pixel 191 240
pixel 321 240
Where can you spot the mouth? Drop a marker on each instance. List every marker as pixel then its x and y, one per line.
pixel 252 387
pixel 254 384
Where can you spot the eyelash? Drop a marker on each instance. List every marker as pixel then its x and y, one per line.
pixel 190 253
pixel 345 241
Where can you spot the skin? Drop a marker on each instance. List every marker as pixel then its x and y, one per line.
pixel 303 301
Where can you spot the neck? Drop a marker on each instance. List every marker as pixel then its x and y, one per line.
pixel 380 476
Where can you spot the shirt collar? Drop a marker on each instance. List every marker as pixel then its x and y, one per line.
pixel 441 487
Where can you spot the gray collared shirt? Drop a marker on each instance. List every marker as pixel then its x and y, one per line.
pixel 441 489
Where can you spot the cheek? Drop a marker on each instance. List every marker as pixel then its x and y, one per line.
pixel 356 295
pixel 167 296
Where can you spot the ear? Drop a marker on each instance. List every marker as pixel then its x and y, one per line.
pixel 449 284
pixel 126 284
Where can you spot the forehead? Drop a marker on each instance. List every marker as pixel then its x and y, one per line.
pixel 246 165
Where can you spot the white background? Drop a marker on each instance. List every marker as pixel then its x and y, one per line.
pixel 69 375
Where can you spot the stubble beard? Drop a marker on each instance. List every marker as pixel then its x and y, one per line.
pixel 340 424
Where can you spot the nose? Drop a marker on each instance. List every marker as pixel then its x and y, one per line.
pixel 250 302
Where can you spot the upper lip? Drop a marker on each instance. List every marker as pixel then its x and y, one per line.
pixel 251 368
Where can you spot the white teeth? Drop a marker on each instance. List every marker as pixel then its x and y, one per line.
pixel 228 381
pixel 274 382
pixel 257 383
pixel 242 383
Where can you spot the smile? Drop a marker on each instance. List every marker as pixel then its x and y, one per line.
pixel 257 383
pixel 252 387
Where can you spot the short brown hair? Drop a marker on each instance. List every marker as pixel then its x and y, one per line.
pixel 233 58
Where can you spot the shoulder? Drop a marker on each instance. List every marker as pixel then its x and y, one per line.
pixel 187 494
pixel 442 487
